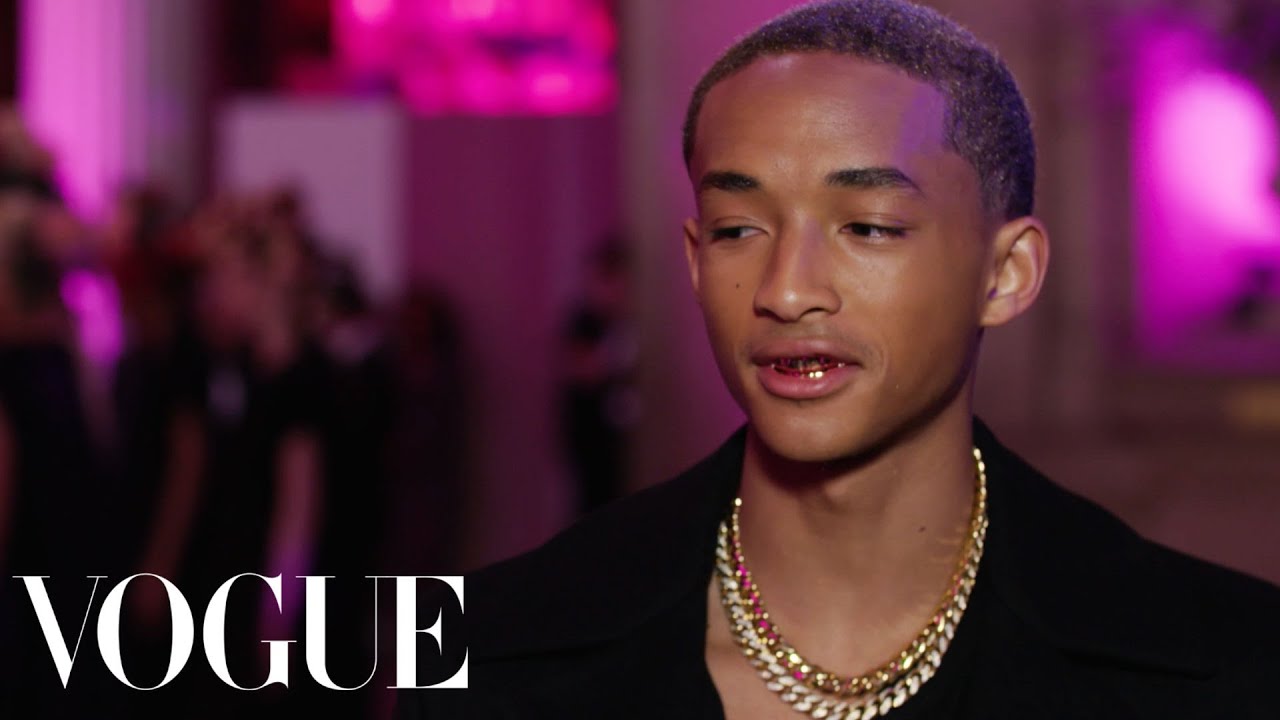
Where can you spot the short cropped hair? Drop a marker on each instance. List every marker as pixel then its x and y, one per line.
pixel 987 122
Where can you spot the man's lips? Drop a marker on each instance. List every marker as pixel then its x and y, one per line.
pixel 803 369
pixel 801 355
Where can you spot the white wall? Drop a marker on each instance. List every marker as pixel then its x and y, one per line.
pixel 349 159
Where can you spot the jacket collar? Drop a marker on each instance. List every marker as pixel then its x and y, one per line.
pixel 1072 573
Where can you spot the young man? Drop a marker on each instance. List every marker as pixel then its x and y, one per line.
pixel 863 547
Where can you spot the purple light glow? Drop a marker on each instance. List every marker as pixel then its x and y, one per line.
pixel 1205 159
pixel 1214 152
pixel 487 57
pixel 473 9
pixel 371 11
pixel 92 300
pixel 72 94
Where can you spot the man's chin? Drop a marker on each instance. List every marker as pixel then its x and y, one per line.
pixel 807 442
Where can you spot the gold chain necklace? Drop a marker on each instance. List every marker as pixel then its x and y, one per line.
pixel 808 687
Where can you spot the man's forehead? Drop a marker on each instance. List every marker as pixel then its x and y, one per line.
pixel 816 104
pixel 829 73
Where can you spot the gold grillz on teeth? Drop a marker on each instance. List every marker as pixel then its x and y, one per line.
pixel 811 367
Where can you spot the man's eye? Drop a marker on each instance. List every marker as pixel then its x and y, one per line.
pixel 732 233
pixel 875 232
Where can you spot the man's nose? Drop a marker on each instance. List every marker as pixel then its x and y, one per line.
pixel 797 279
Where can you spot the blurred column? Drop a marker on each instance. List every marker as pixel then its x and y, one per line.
pixel 8 49
pixel 1041 373
pixel 117 88
pixel 666 46
pixel 501 212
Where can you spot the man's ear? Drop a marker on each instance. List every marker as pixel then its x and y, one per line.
pixel 691 254
pixel 1019 262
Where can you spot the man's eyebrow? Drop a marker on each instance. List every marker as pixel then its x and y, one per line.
pixel 728 181
pixel 872 178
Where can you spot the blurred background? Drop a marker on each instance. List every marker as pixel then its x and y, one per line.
pixel 350 287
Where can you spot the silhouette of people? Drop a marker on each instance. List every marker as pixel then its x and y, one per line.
pixel 599 403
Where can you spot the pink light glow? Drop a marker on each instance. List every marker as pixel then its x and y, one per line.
pixel 1214 148
pixel 545 15
pixel 72 94
pixel 596 31
pixel 473 9
pixel 552 84
pixel 487 57
pixel 1206 147
pixel 556 88
pixel 371 11
pixel 483 86
pixel 94 305
pixel 360 29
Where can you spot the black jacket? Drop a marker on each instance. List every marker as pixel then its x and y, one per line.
pixel 1082 618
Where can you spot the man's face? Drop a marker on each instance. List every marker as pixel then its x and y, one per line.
pixel 841 255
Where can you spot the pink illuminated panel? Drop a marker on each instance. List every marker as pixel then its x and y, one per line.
pixel 487 57
pixel 1206 154
pixel 95 308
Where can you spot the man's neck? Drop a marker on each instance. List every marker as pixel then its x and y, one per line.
pixel 863 548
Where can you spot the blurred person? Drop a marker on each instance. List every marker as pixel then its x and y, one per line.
pixel 159 436
pixel 429 437
pixel 426 518
pixel 52 492
pixel 39 392
pixel 355 437
pixel 598 399
pixel 154 426
pixel 1256 306
pixel 54 496
pixel 864 547
pixel 25 164
pixel 361 404
pixel 243 490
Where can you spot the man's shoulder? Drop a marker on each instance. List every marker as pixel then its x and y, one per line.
pixel 603 538
pixel 1147 626
pixel 1070 569
pixel 1101 591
